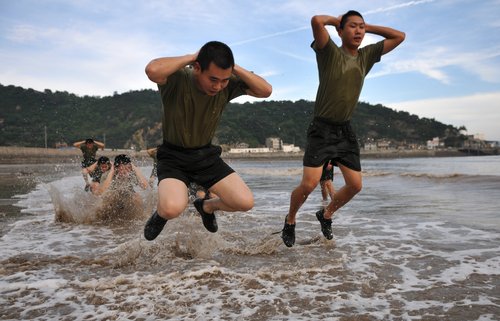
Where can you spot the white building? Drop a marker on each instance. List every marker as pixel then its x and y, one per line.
pixel 290 148
pixel 370 146
pixel 274 143
pixel 434 143
pixel 249 150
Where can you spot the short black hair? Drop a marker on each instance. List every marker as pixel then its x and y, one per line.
pixel 217 52
pixel 103 160
pixel 89 141
pixel 348 14
pixel 121 159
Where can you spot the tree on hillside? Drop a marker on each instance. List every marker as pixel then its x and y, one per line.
pixel 134 118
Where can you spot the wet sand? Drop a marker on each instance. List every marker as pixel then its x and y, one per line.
pixel 18 179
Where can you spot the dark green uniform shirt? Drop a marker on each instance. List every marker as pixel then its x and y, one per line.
pixel 89 154
pixel 341 78
pixel 190 117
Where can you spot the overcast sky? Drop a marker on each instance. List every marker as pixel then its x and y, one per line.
pixel 448 68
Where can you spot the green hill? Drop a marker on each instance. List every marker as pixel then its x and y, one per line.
pixel 134 118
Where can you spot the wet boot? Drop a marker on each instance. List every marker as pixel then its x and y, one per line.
pixel 154 226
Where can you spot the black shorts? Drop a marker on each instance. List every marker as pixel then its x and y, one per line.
pixel 331 141
pixel 327 174
pixel 202 165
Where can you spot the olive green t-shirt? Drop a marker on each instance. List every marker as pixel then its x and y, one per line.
pixel 88 153
pixel 190 117
pixel 341 78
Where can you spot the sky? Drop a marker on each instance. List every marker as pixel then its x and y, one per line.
pixel 447 69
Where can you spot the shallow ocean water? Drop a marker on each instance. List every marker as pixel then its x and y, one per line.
pixel 420 242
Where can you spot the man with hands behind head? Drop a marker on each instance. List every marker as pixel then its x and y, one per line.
pixel 194 90
pixel 330 137
pixel 89 149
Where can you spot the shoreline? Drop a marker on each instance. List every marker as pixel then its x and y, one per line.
pixel 33 155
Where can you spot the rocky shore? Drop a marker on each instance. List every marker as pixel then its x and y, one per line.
pixel 30 155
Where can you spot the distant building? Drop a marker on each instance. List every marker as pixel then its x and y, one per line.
pixel 274 143
pixel 435 143
pixel 290 148
pixel 383 144
pixel 492 144
pixel 370 146
pixel 474 143
pixel 249 150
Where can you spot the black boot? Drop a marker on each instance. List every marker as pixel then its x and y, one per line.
pixel 209 220
pixel 154 226
pixel 326 225
pixel 288 233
